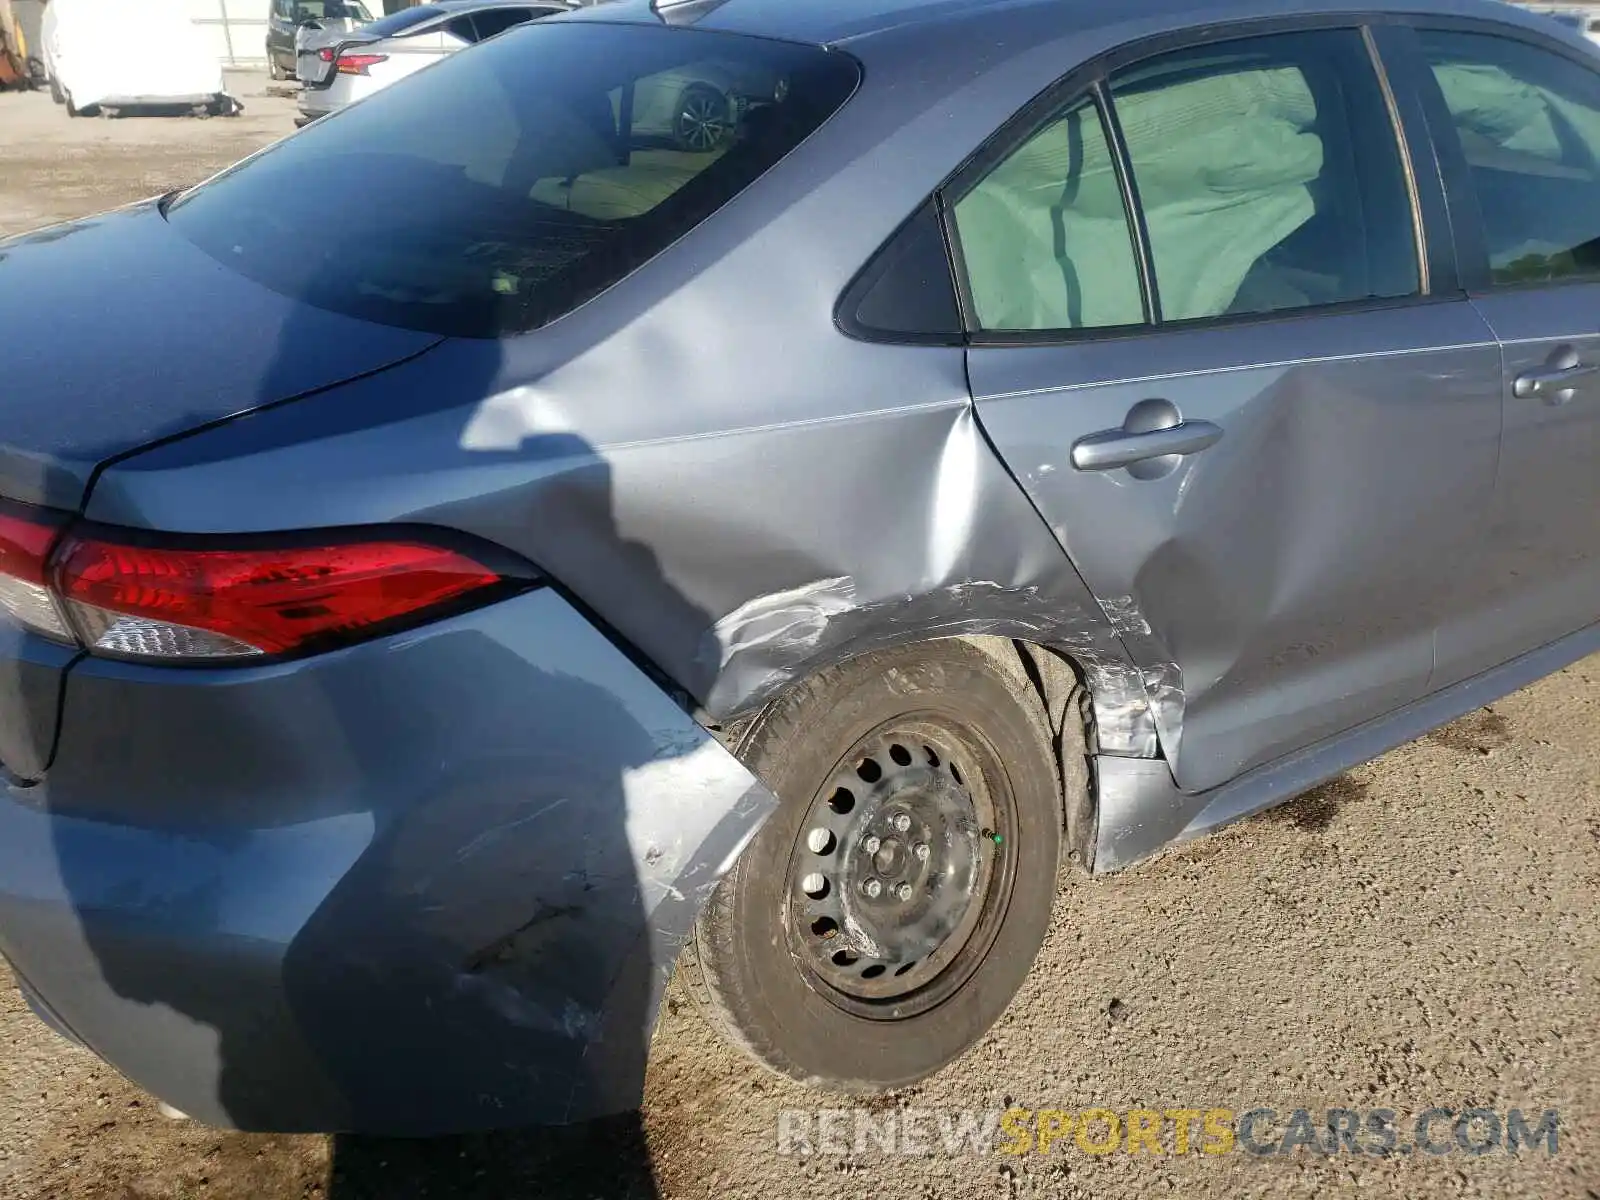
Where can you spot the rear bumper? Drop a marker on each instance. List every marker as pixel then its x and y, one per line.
pixel 428 884
pixel 317 102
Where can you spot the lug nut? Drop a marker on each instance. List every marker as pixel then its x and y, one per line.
pixel 872 888
pixel 902 822
pixel 921 851
pixel 870 845
pixel 903 891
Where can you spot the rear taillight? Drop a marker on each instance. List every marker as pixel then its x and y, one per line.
pixel 326 54
pixel 358 64
pixel 24 593
pixel 200 601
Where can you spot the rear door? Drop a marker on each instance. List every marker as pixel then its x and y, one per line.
pixel 1518 123
pixel 1259 416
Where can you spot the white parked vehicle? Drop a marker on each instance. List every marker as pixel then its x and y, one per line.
pixel 337 68
pixel 108 55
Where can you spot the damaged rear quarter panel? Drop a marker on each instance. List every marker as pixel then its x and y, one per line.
pixel 702 460
pixel 699 455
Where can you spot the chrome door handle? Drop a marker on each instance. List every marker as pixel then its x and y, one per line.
pixel 1554 384
pixel 1113 448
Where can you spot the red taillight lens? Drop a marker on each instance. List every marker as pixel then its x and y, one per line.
pixel 357 64
pixel 24 592
pixel 24 545
pixel 220 603
pixel 326 54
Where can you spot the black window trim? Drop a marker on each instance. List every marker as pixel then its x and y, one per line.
pixel 846 313
pixel 1439 279
pixel 1132 206
pixel 1466 218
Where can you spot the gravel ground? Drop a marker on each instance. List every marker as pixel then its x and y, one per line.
pixel 1419 933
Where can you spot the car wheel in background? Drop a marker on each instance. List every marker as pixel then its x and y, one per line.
pixel 274 71
pixel 887 913
pixel 703 120
pixel 56 93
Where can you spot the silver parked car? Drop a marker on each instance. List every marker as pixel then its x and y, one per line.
pixel 336 66
pixel 291 22
pixel 1024 435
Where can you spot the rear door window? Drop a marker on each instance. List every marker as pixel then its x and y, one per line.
pixel 1045 235
pixel 1528 123
pixel 1269 176
pixel 518 180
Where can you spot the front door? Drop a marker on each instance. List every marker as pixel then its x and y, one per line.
pixel 1264 445
pixel 1523 126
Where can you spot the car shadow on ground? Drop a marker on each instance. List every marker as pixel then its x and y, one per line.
pixel 606 1158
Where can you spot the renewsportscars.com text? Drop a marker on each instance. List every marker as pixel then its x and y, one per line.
pixel 1261 1130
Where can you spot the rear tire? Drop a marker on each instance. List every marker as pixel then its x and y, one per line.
pixel 274 71
pixel 873 963
pixel 56 93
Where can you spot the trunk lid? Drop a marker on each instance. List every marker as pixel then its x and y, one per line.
pixel 117 333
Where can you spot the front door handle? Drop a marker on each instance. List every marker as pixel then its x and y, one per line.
pixel 1113 448
pixel 1554 383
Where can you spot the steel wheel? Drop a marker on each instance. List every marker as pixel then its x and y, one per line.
pixel 887 912
pixel 899 861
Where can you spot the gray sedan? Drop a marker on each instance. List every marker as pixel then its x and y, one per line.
pixel 505 549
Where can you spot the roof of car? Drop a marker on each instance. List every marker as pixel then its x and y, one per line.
pixel 450 6
pixel 837 21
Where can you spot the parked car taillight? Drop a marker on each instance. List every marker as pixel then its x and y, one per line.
pixel 357 64
pixel 196 600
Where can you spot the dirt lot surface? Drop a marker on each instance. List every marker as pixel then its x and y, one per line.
pixel 1419 933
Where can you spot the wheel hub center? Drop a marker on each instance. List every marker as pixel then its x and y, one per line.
pixel 910 866
pixel 889 860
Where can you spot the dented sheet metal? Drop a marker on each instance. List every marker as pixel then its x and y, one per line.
pixel 970 558
pixel 1244 580
pixel 467 928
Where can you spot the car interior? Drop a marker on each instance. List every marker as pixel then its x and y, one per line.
pixel 1244 216
pixel 1532 143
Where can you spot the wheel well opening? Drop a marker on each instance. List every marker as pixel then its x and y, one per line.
pixel 1055 682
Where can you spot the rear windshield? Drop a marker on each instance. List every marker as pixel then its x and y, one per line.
pixel 400 21
pixel 510 182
